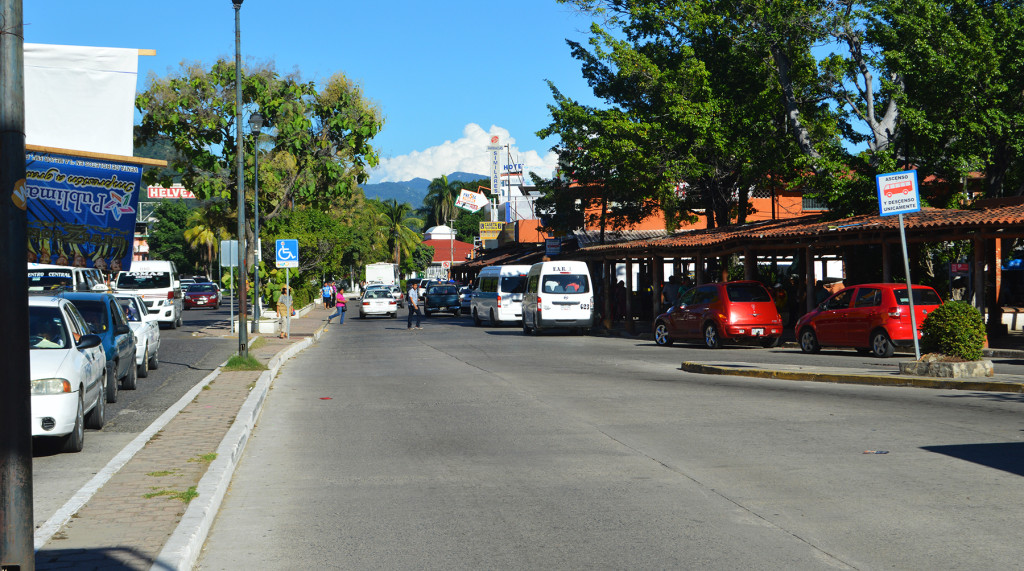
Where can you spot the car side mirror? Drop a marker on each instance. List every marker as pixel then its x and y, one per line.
pixel 122 329
pixel 89 341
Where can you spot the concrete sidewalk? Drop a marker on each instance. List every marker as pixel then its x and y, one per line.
pixel 153 504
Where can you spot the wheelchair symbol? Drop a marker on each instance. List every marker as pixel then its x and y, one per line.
pixel 285 253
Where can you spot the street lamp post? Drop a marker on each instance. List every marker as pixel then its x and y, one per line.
pixel 256 126
pixel 243 339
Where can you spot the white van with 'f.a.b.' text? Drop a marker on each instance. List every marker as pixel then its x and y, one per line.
pixel 558 295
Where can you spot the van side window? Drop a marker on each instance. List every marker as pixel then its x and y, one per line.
pixel 533 284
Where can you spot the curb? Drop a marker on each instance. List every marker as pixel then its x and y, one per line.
pixel 182 549
pixel 858 379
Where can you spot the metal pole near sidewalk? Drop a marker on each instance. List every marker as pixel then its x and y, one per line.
pixel 16 522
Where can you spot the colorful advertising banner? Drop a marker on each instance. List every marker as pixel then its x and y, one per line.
pixel 81 211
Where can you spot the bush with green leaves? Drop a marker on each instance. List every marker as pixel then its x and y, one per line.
pixel 955 328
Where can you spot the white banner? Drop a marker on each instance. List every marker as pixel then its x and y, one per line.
pixel 80 98
pixel 471 201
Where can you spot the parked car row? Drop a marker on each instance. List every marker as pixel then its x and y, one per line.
pixel 87 343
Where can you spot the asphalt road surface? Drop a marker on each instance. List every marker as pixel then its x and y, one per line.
pixel 457 447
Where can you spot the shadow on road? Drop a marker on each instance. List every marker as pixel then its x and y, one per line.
pixel 1005 456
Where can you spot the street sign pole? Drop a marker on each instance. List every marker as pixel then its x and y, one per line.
pixel 898 194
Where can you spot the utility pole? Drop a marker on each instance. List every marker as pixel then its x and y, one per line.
pixel 16 525
pixel 243 339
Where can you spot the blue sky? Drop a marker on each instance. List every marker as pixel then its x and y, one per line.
pixel 446 74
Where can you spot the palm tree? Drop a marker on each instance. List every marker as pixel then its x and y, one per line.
pixel 206 228
pixel 440 200
pixel 400 227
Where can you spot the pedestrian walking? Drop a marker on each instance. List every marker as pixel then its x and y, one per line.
pixel 414 307
pixel 284 311
pixel 325 293
pixel 340 307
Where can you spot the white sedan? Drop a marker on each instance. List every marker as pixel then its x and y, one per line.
pixel 146 328
pixel 378 302
pixel 68 370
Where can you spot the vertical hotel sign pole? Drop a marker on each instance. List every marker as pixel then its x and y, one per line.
pixel 495 151
pixel 898 194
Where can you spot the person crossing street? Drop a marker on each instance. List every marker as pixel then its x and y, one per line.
pixel 414 307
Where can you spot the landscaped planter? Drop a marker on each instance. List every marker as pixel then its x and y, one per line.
pixel 932 366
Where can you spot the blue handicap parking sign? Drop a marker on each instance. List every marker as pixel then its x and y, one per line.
pixel 287 253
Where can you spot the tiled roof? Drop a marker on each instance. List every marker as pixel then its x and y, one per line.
pixel 593 237
pixel 931 223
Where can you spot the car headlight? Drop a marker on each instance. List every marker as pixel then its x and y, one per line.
pixel 50 386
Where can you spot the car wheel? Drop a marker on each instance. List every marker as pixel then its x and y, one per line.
pixel 111 382
pixel 711 339
pixel 97 417
pixel 178 322
pixel 130 381
pixel 809 341
pixel 188 307
pixel 494 322
pixel 154 361
pixel 661 336
pixel 476 319
pixel 75 441
pixel 143 369
pixel 426 313
pixel 881 345
pixel 458 313
pixel 526 329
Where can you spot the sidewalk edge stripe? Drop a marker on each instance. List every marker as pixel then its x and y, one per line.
pixel 182 549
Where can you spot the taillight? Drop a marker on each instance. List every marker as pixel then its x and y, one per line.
pixel 895 312
pixel 366 303
pixel 499 301
pixel 538 303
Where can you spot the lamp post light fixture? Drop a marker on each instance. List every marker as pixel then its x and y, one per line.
pixel 256 127
pixel 243 339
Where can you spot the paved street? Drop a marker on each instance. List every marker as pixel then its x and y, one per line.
pixel 462 447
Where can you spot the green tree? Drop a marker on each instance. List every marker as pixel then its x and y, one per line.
pixel 204 232
pixel 317 151
pixel 400 227
pixel 440 201
pixel 421 257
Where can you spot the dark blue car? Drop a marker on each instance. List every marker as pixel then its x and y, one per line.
pixel 106 319
pixel 442 299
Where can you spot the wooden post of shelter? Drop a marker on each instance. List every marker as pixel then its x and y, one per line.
pixel 657 280
pixel 749 264
pixel 629 294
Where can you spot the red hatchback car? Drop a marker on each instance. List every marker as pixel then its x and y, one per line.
pixel 741 312
pixel 869 317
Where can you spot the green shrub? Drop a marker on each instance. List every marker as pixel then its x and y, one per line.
pixel 955 328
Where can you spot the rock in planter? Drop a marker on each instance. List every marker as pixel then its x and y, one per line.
pixel 935 366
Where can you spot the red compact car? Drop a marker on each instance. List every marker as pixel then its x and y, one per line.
pixel 739 312
pixel 202 295
pixel 869 317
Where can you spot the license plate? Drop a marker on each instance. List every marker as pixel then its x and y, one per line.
pixel 200 301
pixel 757 331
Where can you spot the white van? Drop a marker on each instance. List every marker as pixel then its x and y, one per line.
pixel 498 296
pixel 558 294
pixel 158 283
pixel 45 277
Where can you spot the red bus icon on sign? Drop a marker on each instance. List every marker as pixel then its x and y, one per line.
pixel 900 187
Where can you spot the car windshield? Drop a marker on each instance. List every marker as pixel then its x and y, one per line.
pixel 922 296
pixel 747 292
pixel 566 283
pixel 202 288
pixel 143 280
pixel 94 313
pixel 49 279
pixel 46 328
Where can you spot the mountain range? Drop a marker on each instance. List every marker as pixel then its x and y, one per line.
pixel 412 191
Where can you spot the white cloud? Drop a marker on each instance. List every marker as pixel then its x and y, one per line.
pixel 466 154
